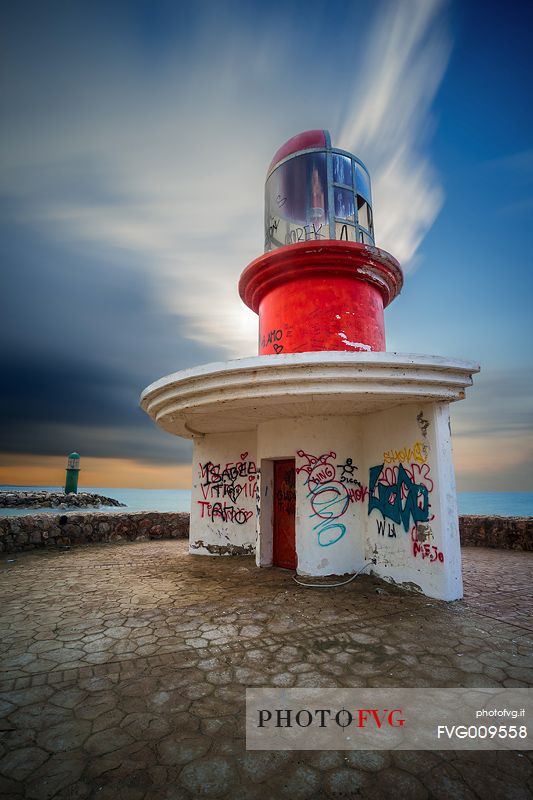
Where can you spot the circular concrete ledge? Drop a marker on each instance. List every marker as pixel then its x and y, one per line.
pixel 238 395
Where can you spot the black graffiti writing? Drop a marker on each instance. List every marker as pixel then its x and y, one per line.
pixel 214 475
pixel 304 233
pixel 348 472
pixel 273 227
pixel 224 512
pixel 382 526
pixel 273 337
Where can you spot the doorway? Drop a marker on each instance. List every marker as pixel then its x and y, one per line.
pixel 284 516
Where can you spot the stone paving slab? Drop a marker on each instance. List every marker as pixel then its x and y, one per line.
pixel 125 667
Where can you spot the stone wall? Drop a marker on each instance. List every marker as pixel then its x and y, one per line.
pixel 508 533
pixel 40 530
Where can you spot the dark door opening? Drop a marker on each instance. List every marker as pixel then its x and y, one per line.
pixel 284 526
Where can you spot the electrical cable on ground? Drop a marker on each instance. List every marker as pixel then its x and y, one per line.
pixel 331 585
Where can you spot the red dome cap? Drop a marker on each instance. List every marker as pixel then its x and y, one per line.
pixel 302 141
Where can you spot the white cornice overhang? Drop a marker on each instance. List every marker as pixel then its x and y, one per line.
pixel 238 395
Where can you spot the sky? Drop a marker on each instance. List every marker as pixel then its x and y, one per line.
pixel 134 145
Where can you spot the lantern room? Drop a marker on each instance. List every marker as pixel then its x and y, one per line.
pixel 315 192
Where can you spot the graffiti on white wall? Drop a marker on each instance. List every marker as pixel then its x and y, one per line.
pixel 401 493
pixel 226 488
pixel 331 487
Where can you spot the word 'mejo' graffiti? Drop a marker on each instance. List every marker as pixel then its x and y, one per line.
pixel 329 497
pixel 399 499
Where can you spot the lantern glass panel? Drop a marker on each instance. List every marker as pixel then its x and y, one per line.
pixel 363 215
pixel 344 203
pixel 362 182
pixel 345 232
pixel 342 170
pixel 296 201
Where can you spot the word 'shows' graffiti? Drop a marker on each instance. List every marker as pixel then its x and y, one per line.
pixel 397 496
pixel 233 480
pixel 328 495
pixel 418 452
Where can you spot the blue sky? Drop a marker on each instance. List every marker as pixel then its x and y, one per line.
pixel 134 150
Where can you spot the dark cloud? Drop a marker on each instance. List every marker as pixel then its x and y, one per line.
pixel 85 337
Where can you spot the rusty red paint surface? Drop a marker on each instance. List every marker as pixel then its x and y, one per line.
pixel 284 531
pixel 317 296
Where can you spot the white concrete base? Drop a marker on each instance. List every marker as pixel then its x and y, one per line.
pixel 370 436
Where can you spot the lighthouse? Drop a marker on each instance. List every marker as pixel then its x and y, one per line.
pixel 324 454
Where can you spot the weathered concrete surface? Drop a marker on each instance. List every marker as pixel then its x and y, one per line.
pixel 125 667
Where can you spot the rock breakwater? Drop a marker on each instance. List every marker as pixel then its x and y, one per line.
pixel 23 499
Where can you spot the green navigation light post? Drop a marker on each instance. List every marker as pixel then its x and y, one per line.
pixel 73 468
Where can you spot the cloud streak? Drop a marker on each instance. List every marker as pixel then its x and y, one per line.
pixel 168 163
pixel 389 120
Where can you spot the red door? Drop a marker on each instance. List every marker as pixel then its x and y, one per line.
pixel 284 535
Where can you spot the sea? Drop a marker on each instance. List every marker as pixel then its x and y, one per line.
pixel 504 504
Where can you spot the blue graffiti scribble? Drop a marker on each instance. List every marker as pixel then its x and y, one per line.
pixel 389 498
pixel 328 497
pixel 329 501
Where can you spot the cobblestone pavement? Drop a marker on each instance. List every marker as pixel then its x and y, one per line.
pixel 125 667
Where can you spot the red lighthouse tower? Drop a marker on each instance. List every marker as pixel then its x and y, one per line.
pixel 324 453
pixel 321 284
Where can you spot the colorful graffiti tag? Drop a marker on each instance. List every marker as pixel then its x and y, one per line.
pixel 429 551
pixel 402 493
pixel 222 486
pixel 417 452
pixel 395 493
pixel 328 493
